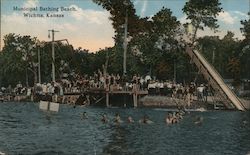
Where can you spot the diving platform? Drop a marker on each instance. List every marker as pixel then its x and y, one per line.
pixel 222 91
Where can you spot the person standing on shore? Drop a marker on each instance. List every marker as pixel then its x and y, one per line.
pixel 187 96
pixel 191 91
pixel 200 91
pixel 205 92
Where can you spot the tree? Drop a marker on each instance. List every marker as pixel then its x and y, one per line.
pixel 158 38
pixel 28 48
pixel 118 10
pixel 219 52
pixel 163 68
pixel 245 48
pixel 229 54
pixel 202 13
pixel 233 66
pixel 246 28
pixel 165 24
pixel 209 46
pixel 19 56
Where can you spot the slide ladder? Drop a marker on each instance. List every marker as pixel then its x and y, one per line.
pixel 228 97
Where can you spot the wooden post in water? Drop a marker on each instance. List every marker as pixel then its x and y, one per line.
pixel 135 95
pixel 135 100
pixel 31 97
pixel 107 95
pixel 107 99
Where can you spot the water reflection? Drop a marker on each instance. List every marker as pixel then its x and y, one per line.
pixel 118 144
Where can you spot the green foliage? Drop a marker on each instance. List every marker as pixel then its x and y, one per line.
pixel 245 49
pixel 164 23
pixel 155 46
pixel 246 28
pixel 158 43
pixel 18 55
pixel 225 54
pixel 202 13
pixel 118 10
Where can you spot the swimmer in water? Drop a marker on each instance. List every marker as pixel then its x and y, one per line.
pixel 117 118
pixel 104 118
pixel 169 118
pixel 179 116
pixel 174 118
pixel 130 119
pixel 145 120
pixel 84 115
pixel 199 120
pixel 48 117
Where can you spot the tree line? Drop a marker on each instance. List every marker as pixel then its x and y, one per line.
pixel 156 46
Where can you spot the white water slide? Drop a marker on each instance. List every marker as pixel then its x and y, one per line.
pixel 227 96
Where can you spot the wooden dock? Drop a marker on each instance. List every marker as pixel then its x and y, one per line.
pixel 135 93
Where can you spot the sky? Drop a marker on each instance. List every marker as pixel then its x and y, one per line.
pixel 88 25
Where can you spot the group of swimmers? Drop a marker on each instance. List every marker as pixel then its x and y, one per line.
pixel 117 119
pixel 174 117
pixel 171 118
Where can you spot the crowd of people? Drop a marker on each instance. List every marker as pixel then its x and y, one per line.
pixel 113 82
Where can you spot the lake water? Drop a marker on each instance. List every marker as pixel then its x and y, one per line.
pixel 24 129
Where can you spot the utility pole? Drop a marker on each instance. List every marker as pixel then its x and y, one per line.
pixel 53 54
pixel 27 77
pixel 39 65
pixel 125 42
pixel 175 70
pixel 213 56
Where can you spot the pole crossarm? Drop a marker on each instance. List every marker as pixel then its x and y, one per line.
pixel 58 41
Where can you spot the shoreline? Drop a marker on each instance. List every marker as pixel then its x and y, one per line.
pixel 147 101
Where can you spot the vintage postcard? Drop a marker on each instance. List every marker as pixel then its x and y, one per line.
pixel 125 77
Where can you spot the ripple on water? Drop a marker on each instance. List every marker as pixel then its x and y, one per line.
pixel 26 130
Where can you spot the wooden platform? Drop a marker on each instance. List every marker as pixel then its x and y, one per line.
pixel 106 93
